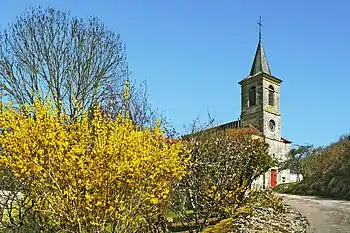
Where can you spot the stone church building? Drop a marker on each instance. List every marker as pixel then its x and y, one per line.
pixel 260 109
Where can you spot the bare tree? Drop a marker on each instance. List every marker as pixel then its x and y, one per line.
pixel 77 62
pixel 140 109
pixel 295 159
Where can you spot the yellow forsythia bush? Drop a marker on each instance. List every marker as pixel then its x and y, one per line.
pixel 92 173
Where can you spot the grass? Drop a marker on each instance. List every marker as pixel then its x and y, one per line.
pixel 286 187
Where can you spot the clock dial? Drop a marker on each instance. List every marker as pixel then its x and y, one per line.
pixel 272 125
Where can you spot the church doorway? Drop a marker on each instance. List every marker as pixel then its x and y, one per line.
pixel 273 178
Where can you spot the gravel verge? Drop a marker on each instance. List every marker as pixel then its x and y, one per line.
pixel 268 220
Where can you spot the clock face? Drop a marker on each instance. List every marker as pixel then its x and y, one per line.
pixel 272 125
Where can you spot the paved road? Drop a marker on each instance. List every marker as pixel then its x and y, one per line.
pixel 324 215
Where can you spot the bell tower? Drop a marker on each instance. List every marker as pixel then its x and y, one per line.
pixel 260 96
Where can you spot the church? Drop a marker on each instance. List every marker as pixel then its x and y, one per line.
pixel 260 109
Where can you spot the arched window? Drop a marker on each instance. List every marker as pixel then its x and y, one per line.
pixel 252 96
pixel 271 96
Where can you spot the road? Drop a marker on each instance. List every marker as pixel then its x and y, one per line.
pixel 324 215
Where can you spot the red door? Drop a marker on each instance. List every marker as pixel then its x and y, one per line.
pixel 273 178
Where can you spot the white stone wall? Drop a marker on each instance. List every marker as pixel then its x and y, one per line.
pixel 294 178
pixel 279 149
pixel 276 133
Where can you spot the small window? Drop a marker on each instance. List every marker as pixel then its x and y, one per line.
pixel 283 179
pixel 271 95
pixel 252 96
pixel 272 125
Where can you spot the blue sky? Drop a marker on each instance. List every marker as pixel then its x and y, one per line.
pixel 193 53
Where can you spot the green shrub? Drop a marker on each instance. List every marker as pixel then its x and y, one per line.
pixel 265 199
pixel 286 187
pixel 256 199
pixel 225 226
pixel 328 172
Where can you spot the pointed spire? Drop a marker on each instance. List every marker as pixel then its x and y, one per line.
pixel 260 62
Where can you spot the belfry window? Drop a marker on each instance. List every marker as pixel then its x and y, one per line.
pixel 271 96
pixel 252 96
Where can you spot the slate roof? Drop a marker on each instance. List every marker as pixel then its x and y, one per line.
pixel 260 62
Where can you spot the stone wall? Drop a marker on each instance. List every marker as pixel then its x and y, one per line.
pixel 276 86
pixel 279 150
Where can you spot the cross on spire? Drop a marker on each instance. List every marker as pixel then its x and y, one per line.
pixel 260 27
pixel 260 62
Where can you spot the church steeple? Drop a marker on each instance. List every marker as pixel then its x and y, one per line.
pixel 260 96
pixel 260 62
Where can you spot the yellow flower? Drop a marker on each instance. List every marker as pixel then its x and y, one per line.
pixel 79 171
